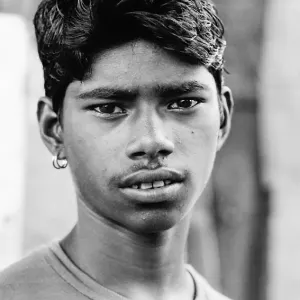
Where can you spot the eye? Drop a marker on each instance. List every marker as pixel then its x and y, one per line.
pixel 184 104
pixel 108 109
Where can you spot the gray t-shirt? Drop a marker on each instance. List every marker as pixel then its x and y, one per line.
pixel 48 274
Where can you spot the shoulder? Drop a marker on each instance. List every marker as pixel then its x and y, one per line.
pixel 25 276
pixel 204 289
pixel 27 267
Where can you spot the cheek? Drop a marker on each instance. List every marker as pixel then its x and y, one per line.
pixel 90 150
pixel 201 148
pixel 197 147
pixel 91 158
pixel 198 138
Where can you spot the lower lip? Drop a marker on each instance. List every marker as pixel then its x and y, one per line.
pixel 156 195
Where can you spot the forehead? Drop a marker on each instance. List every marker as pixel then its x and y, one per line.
pixel 140 63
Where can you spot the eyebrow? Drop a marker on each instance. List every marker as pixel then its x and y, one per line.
pixel 115 93
pixel 176 89
pixel 161 90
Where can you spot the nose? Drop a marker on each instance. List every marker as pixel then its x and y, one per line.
pixel 149 140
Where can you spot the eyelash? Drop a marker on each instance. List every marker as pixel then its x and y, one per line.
pixel 93 108
pixel 198 101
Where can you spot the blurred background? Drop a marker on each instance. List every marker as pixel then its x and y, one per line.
pixel 245 234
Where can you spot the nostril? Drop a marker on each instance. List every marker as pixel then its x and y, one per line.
pixel 165 152
pixel 139 154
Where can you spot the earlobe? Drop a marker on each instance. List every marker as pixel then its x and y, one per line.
pixel 50 127
pixel 227 106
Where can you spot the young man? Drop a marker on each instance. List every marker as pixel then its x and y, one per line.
pixel 135 105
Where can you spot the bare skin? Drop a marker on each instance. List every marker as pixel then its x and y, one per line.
pixel 140 110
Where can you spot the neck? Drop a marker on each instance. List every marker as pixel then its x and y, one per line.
pixel 130 263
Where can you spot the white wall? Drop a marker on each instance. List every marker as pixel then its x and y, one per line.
pixel 280 136
pixel 13 68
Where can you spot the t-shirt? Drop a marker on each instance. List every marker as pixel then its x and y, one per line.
pixel 48 274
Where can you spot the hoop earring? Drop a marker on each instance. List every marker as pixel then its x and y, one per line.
pixel 59 164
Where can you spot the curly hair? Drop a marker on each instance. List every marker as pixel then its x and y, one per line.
pixel 70 33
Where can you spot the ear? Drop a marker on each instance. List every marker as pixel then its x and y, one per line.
pixel 50 128
pixel 227 105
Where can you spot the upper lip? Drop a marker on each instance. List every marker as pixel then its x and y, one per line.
pixel 151 176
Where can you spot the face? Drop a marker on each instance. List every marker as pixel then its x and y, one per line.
pixel 140 135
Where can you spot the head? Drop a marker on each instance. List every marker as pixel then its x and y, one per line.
pixel 134 86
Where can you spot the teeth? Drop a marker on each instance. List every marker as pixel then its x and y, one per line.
pixel 146 186
pixel 157 184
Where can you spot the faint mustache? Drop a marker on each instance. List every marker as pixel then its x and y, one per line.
pixel 150 166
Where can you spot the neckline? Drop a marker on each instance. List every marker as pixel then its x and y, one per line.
pixel 194 284
pixel 86 285
pixel 79 280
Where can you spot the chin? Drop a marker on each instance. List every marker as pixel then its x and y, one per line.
pixel 154 220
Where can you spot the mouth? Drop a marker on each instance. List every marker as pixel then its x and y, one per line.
pixel 145 180
pixel 167 193
pixel 153 186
